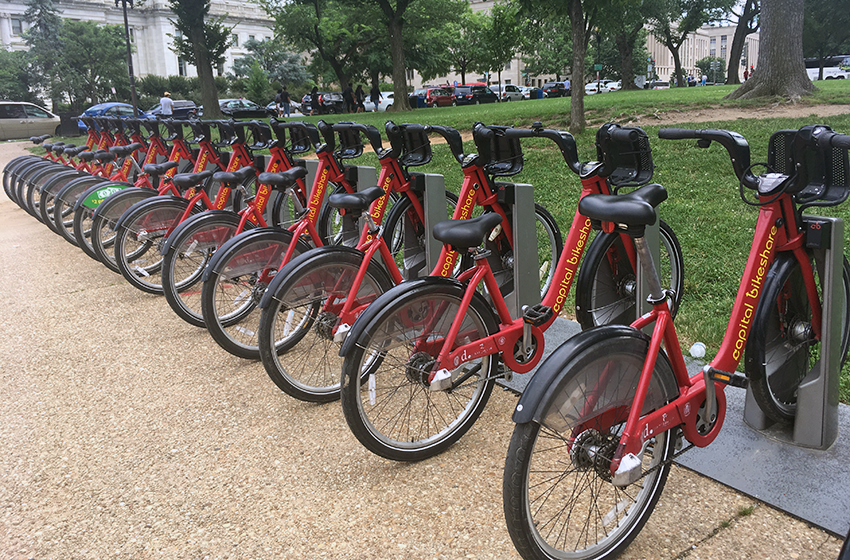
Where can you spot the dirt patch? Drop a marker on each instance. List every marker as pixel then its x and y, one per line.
pixel 789 110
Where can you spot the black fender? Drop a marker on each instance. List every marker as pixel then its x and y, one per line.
pixel 147 193
pixel 114 186
pixel 203 216
pixel 549 378
pixel 145 203
pixel 299 261
pixel 366 320
pixel 269 233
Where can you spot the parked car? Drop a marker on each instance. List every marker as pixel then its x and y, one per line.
pixel 529 92
pixel 384 103
pixel 110 109
pixel 473 95
pixel 555 89
pixel 294 107
pixel 614 85
pixel 595 87
pixel 183 109
pixel 431 96
pixel 329 102
pixel 508 92
pixel 658 85
pixel 240 109
pixel 19 119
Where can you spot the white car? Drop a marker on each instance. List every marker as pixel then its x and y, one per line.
pixel 22 120
pixel 508 92
pixel 614 86
pixel 384 103
pixel 595 87
pixel 529 92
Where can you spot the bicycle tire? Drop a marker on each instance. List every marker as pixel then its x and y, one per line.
pixel 10 173
pixel 558 498
pixel 25 177
pixel 329 224
pixel 63 209
pixel 139 237
pixel 781 348
pixel 605 290
pixel 46 202
pixel 188 250
pixel 105 220
pixel 385 394
pixel 296 339
pixel 234 284
pixel 83 213
pixel 34 190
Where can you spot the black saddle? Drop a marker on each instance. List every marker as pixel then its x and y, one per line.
pixel 189 180
pixel 462 234
pixel 355 201
pixel 284 179
pixel 234 176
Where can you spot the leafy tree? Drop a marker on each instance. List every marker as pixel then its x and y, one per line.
pixel 672 21
pixel 466 48
pixel 16 80
pixel 335 32
pixel 278 64
pixel 713 67
pixel 748 22
pixel 257 85
pixel 826 29
pixel 430 27
pixel 202 42
pixel 623 23
pixel 502 36
pixel 45 44
pixel 551 56
pixel 780 70
pixel 87 65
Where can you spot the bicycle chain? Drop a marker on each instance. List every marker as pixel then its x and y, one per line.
pixel 667 462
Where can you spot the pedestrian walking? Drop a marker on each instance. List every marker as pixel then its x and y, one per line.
pixel 375 96
pixel 746 74
pixel 348 99
pixel 285 102
pixel 360 99
pixel 277 107
pixel 314 101
pixel 167 105
pixel 704 79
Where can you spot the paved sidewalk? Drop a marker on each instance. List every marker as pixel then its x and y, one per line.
pixel 126 433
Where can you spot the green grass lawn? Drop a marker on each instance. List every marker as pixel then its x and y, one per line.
pixel 713 225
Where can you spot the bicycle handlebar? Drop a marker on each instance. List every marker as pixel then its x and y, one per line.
pixel 371 133
pixel 825 139
pixel 302 136
pixel 564 140
pixel 735 144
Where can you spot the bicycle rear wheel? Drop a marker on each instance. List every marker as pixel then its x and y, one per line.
pixel 781 349
pixel 105 219
pixel 234 283
pixel 558 494
pixel 139 238
pixel 84 211
pixel 63 208
pixel 385 393
pixel 606 287
pixel 296 334
pixel 189 249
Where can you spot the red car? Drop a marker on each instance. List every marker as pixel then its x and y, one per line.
pixel 432 96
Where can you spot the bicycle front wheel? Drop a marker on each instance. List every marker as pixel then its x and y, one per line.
pixel 385 392
pixel 559 498
pixel 782 349
pixel 190 248
pixel 296 334
pixel 105 219
pixel 235 282
pixel 606 287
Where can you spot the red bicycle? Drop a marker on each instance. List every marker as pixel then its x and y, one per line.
pixel 598 425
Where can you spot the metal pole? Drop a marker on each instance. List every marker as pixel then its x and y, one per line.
pixel 130 60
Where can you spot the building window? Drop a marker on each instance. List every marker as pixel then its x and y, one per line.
pixel 508 66
pixel 251 38
pixel 235 38
pixel 220 69
pixel 17 26
pixel 507 81
pixel 181 66
pixel 132 34
pixel 410 75
pixel 712 48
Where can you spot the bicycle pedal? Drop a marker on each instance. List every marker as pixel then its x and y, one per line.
pixel 538 315
pixel 734 379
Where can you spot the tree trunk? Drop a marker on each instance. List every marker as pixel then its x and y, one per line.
pixel 399 65
pixel 206 78
pixel 780 70
pixel 626 47
pixel 746 25
pixel 579 31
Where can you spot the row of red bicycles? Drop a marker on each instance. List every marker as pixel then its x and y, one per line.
pixel 306 265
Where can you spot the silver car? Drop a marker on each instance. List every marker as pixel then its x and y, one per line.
pixel 19 119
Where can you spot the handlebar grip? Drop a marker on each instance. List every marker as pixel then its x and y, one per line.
pixel 453 139
pixel 834 140
pixel 483 137
pixel 677 133
pixel 623 135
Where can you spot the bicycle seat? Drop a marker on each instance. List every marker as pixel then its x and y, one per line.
pixel 86 156
pixel 632 211
pixel 74 150
pixel 283 180
pixel 234 176
pixel 124 151
pixel 654 194
pixel 463 234
pixel 355 201
pixel 157 169
pixel 189 180
pixel 105 157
